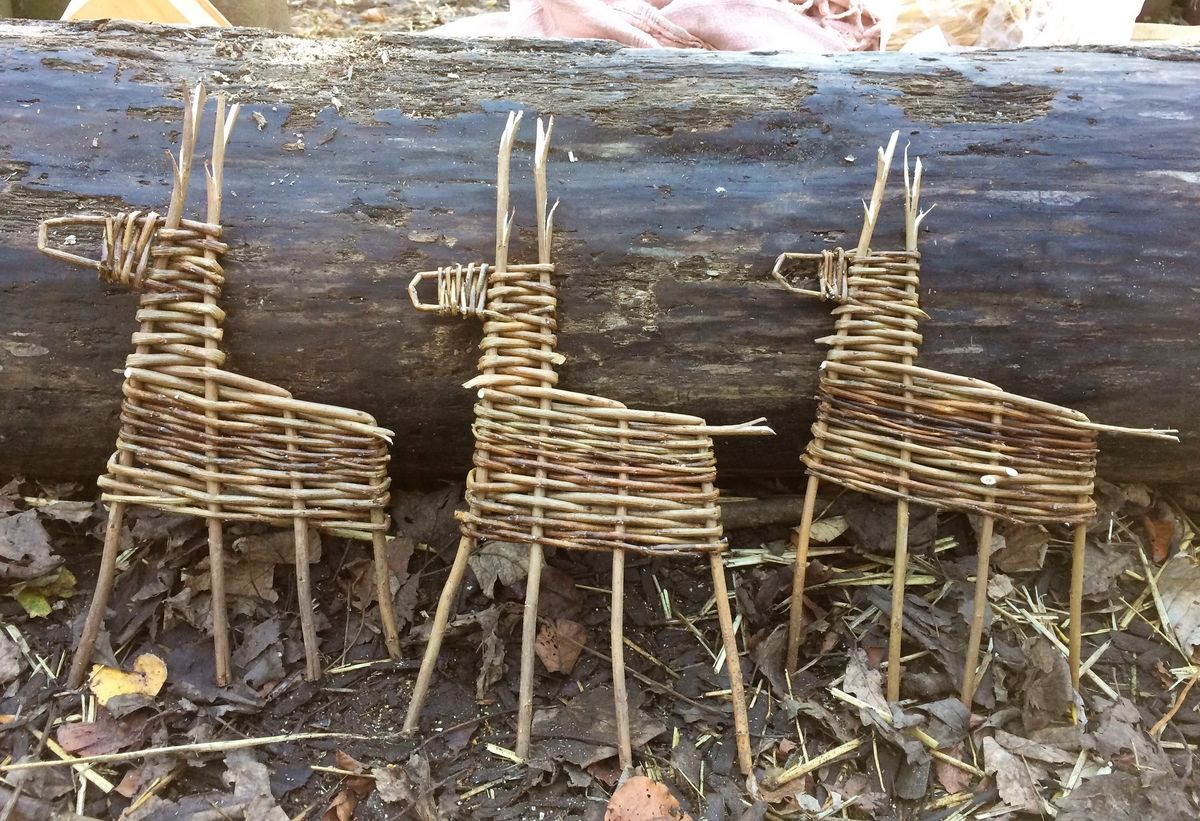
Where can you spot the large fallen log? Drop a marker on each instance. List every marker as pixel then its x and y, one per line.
pixel 1060 262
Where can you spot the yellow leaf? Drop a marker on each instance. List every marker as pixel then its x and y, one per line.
pixel 147 678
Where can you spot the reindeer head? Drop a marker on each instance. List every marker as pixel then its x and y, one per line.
pixel 462 290
pixel 122 253
pixel 830 274
pixel 837 269
pixel 132 246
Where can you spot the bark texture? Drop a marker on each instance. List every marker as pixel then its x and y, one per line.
pixel 1060 262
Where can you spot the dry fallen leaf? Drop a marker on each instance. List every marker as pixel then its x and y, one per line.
pixel 491 652
pixel 560 598
pixel 1160 527
pixel 38 596
pixel 640 799
pixel 355 789
pixel 72 512
pixel 950 777
pixel 1016 778
pixel 25 547
pixel 251 780
pixel 1021 548
pixel 146 679
pixel 1046 693
pixel 10 659
pixel 410 784
pixel 865 683
pixel 828 529
pixel 104 735
pixel 559 643
pixel 503 562
pixel 9 494
pixel 1179 587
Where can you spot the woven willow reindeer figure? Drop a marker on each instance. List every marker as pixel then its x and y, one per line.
pixel 555 468
pixel 198 439
pixel 890 428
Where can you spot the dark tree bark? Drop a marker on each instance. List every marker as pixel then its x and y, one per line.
pixel 1060 262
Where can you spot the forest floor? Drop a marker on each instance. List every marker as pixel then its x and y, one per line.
pixel 826 742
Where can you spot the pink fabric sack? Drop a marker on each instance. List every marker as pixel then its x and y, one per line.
pixel 716 25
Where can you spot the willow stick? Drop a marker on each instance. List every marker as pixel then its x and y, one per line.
pixel 802 535
pixel 105 579
pixel 534 577
pixel 983 563
pixel 437 632
pixel 733 664
pixel 383 586
pixel 1075 629
pixel 617 629
pixel 212 392
pixel 883 165
pixel 304 601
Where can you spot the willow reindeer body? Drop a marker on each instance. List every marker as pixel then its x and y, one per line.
pixel 554 468
pixel 888 427
pixel 201 440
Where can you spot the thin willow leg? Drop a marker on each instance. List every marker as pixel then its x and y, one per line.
pixel 617 638
pixel 982 569
pixel 1075 630
pixel 304 602
pixel 441 619
pixel 796 611
pixel 528 639
pixel 737 693
pixel 220 609
pixel 383 588
pixel 899 580
pixel 82 660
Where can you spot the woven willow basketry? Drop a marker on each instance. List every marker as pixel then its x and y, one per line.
pixel 198 439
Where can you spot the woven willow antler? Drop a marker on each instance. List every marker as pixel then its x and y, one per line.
pixel 888 427
pixel 555 468
pixel 201 440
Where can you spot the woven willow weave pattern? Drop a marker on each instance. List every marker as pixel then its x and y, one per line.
pixel 200 440
pixel 554 468
pixel 888 427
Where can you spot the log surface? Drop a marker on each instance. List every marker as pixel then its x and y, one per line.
pixel 1061 261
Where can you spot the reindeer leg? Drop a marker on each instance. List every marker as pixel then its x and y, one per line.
pixel 982 569
pixel 617 637
pixel 383 588
pixel 220 611
pixel 796 611
pixel 440 619
pixel 1076 614
pixel 312 652
pixel 528 638
pixel 733 665
pixel 899 580
pixel 104 585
